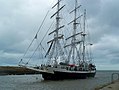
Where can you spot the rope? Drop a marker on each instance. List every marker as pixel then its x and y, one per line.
pixel 42 22
pixel 47 31
pixel 40 43
pixel 35 36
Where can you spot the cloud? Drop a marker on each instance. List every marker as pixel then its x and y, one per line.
pixel 107 51
pixel 104 27
pixel 20 20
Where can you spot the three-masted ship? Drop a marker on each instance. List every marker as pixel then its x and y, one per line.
pixel 71 65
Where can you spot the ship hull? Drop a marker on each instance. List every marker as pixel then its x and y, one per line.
pixel 60 74
pixel 67 75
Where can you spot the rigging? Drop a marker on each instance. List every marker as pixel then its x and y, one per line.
pixel 34 37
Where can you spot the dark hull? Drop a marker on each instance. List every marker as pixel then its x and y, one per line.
pixel 65 75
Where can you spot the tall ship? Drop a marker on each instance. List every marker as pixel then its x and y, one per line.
pixel 71 60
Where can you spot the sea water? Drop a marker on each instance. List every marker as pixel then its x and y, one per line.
pixel 36 82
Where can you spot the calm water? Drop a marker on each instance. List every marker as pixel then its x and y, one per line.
pixel 35 82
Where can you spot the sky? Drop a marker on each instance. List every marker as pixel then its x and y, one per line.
pixel 20 20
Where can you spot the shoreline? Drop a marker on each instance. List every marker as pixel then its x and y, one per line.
pixel 15 70
pixel 109 86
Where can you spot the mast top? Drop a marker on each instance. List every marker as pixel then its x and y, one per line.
pixel 57 3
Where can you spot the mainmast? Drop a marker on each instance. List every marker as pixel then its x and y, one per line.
pixel 55 47
pixel 74 42
pixel 74 31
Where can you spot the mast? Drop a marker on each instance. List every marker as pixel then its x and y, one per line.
pixel 84 36
pixel 74 42
pixel 57 26
pixel 55 47
pixel 74 31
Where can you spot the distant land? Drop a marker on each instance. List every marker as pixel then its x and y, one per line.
pixel 15 70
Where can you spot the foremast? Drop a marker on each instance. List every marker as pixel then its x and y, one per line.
pixel 74 52
pixel 55 50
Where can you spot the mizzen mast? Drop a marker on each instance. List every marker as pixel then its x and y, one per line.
pixel 83 34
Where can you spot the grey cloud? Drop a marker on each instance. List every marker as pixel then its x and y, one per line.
pixel 110 12
pixel 19 21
